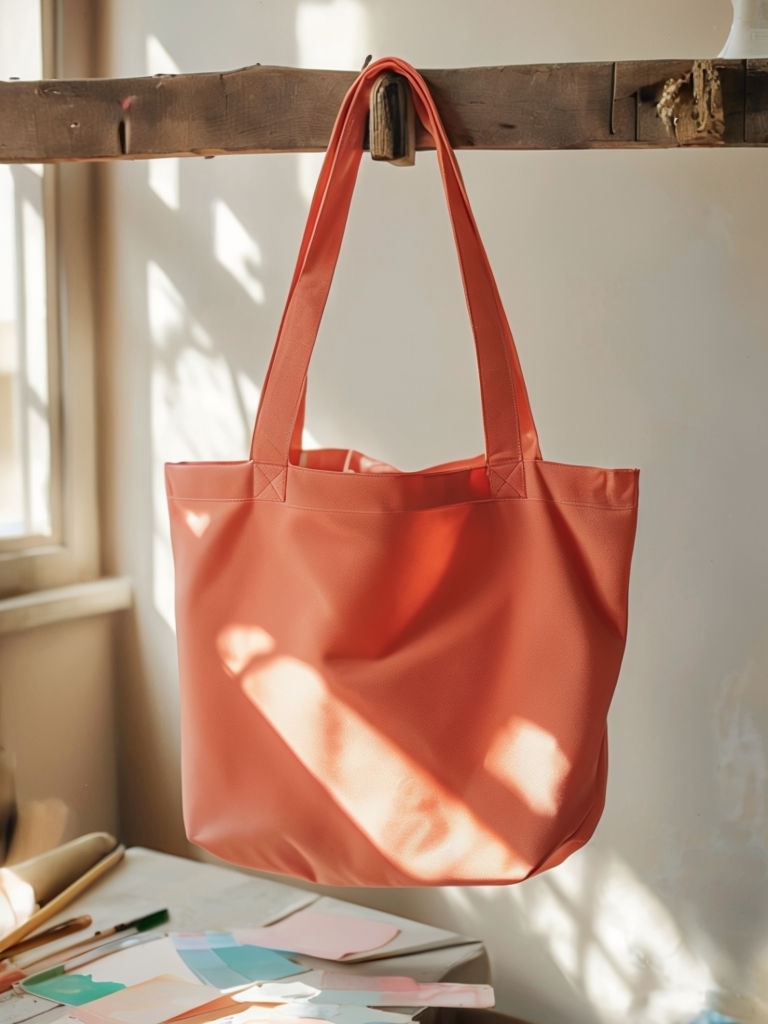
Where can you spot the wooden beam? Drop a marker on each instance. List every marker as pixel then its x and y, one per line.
pixel 271 110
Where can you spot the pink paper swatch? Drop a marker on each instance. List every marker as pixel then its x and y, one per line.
pixel 338 989
pixel 328 936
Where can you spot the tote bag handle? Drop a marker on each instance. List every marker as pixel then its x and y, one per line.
pixel 510 433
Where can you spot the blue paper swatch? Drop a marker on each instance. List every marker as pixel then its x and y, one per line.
pixel 219 960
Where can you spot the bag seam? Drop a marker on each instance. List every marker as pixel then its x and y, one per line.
pixel 400 511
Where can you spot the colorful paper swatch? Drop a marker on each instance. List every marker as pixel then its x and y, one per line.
pixel 328 936
pixel 220 960
pixel 150 1002
pixel 339 989
pixel 226 1010
pixel 72 989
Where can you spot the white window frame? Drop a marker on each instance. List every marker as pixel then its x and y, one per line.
pixel 72 554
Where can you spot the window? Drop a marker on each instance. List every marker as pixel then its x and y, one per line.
pixel 27 476
pixel 48 525
pixel 28 481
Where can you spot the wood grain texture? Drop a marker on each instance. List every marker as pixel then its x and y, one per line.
pixel 756 102
pixel 392 125
pixel 272 109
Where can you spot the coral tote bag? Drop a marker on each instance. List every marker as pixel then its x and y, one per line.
pixel 396 678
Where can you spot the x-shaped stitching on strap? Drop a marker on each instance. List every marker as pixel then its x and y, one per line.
pixel 508 484
pixel 269 482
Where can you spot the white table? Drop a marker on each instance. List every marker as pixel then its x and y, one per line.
pixel 206 897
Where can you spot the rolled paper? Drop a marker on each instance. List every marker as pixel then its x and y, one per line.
pixel 34 882
pixel 17 901
pixel 51 872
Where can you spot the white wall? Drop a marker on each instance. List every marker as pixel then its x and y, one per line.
pixel 635 284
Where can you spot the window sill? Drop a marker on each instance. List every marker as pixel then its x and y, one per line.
pixel 62 604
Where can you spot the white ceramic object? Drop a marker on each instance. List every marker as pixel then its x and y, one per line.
pixel 749 32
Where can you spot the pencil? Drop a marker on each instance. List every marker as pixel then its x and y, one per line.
pixel 56 931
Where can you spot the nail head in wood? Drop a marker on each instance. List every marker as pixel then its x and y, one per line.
pixel 392 122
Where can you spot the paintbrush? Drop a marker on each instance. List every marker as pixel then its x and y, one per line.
pixel 52 934
pixel 138 924
pixel 11 973
pixel 66 896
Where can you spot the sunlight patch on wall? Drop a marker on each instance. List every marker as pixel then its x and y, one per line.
pixel 196 409
pixel 236 250
pixel 629 921
pixel 196 406
pixel 166 309
pixel 739 717
pixel 158 60
pixel 608 934
pixel 333 34
pixel 163 594
pixel 615 941
pixel 162 175
pixel 552 917
pixel 163 179
pixel 309 170
pixel 603 983
pixel 249 394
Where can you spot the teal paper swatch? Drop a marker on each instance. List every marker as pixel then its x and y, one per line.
pixel 220 961
pixel 73 989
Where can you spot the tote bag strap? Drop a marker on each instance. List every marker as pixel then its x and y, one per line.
pixel 510 434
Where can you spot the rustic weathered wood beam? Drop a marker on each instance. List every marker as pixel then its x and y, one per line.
pixel 271 109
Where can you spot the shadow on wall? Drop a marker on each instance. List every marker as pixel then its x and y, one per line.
pixel 617 933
